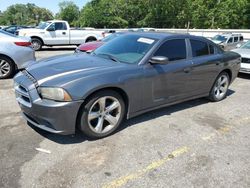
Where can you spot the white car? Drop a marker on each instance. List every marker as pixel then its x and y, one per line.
pixel 15 53
pixel 244 51
pixel 59 33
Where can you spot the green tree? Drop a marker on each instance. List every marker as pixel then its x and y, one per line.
pixel 21 14
pixel 69 11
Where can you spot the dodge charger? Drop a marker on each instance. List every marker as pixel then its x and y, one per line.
pixel 132 74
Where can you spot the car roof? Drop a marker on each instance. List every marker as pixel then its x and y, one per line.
pixel 163 35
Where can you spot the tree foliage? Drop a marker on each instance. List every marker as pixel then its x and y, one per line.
pixel 21 14
pixel 167 13
pixel 140 13
pixel 69 11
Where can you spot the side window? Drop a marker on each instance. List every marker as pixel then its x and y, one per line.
pixel 230 40
pixel 173 49
pixel 211 49
pixel 236 39
pixel 241 38
pixel 199 48
pixel 52 26
pixel 60 26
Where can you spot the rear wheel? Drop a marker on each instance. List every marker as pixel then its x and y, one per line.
pixel 7 67
pixel 102 114
pixel 220 88
pixel 36 44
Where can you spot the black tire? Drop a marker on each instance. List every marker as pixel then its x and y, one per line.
pixel 37 44
pixel 7 67
pixel 83 122
pixel 214 96
pixel 90 39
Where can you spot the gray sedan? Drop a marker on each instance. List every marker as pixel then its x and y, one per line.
pixel 15 53
pixel 128 76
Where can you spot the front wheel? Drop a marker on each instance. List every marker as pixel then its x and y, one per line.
pixel 102 114
pixel 220 87
pixel 36 44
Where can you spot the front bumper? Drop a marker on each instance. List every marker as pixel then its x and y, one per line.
pixel 51 116
pixel 245 68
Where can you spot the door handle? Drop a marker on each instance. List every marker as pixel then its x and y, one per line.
pixel 64 33
pixel 187 70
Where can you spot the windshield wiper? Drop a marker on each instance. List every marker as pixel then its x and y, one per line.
pixel 113 58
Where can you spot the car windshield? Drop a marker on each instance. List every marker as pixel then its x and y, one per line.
pixel 220 38
pixel 4 33
pixel 110 37
pixel 126 48
pixel 246 45
pixel 43 25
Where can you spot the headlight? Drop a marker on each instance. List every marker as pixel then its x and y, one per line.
pixel 56 94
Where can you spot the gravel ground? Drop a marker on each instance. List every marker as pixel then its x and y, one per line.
pixel 193 144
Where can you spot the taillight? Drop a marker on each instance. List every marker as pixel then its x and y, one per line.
pixel 23 43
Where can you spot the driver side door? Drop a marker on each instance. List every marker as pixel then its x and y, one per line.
pixel 57 34
pixel 167 82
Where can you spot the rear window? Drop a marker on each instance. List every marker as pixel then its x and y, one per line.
pixel 199 48
pixel 4 33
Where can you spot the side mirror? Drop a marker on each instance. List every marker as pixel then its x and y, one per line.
pixel 159 60
pixel 51 29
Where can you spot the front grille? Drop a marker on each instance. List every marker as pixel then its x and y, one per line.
pixel 22 95
pixel 30 77
pixel 245 60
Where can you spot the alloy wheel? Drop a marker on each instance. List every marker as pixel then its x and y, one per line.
pixel 104 114
pixel 4 68
pixel 221 87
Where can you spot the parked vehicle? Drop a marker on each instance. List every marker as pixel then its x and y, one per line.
pixel 15 53
pixel 228 41
pixel 130 75
pixel 13 28
pixel 58 33
pixel 90 46
pixel 244 51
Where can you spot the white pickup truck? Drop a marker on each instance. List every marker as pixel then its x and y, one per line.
pixel 58 33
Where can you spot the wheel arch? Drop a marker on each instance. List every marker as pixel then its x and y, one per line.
pixel 229 72
pixel 36 37
pixel 6 56
pixel 91 37
pixel 116 89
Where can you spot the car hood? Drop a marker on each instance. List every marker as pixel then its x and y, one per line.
pixel 90 46
pixel 65 66
pixel 217 41
pixel 29 30
pixel 243 52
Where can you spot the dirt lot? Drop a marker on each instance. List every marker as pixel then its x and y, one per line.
pixel 194 144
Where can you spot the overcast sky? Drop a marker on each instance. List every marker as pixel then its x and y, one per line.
pixel 49 4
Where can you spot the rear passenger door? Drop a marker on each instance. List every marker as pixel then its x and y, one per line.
pixel 205 62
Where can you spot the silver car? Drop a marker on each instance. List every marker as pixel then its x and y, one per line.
pixel 244 51
pixel 228 41
pixel 15 54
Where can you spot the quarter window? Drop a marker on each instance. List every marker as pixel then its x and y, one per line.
pixel 199 48
pixel 211 49
pixel 173 49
